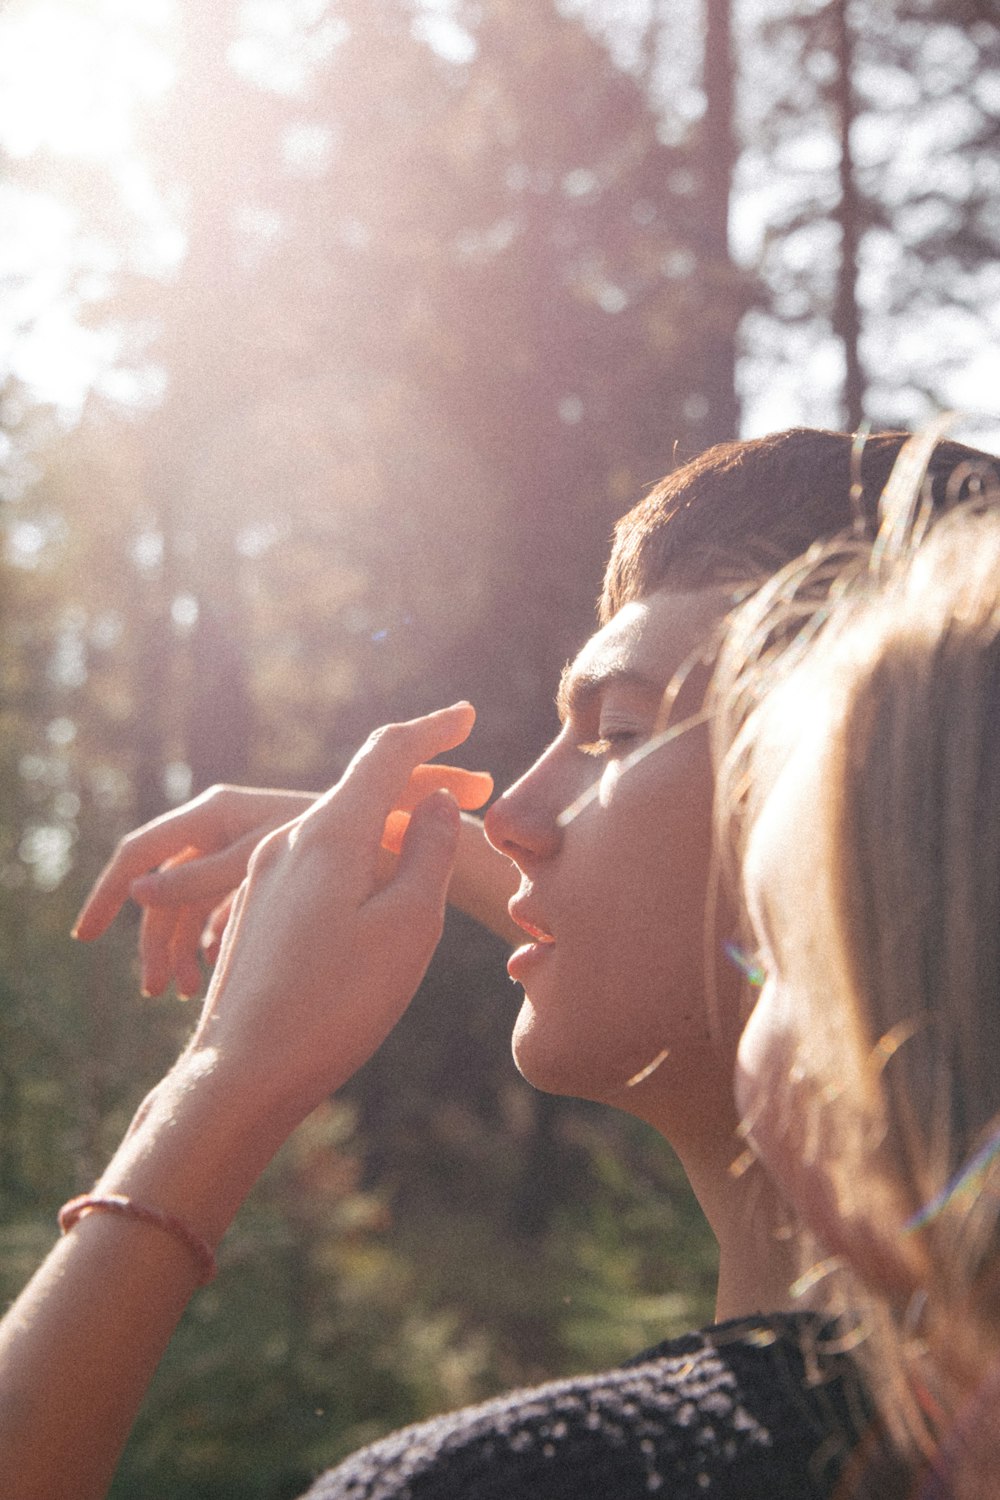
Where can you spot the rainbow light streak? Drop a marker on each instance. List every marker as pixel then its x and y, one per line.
pixel 965 1184
pixel 747 963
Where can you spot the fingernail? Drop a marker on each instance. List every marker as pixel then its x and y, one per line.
pixel 443 805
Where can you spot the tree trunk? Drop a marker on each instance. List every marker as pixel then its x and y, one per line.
pixel 718 161
pixel 847 319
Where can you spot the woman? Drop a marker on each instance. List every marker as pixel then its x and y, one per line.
pixel 859 790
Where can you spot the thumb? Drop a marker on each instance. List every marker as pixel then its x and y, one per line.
pixel 428 854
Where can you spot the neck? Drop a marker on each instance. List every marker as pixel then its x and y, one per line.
pixel 756 1255
pixel 756 1259
pixel 746 1215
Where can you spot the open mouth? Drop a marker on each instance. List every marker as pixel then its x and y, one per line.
pixel 524 960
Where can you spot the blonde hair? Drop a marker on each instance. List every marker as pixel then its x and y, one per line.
pixel 857 703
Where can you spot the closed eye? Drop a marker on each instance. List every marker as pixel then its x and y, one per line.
pixel 617 742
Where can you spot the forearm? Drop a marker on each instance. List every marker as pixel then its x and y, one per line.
pixel 80 1346
pixel 483 881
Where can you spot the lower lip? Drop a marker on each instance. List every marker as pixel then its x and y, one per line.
pixel 524 959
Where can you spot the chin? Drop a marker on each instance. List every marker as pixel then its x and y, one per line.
pixel 532 1059
pixel 553 1062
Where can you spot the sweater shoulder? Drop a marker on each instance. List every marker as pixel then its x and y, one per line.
pixel 747 1409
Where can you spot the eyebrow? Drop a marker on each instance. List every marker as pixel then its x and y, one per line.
pixel 578 690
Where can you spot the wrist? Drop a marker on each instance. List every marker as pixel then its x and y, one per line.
pixel 117 1204
pixel 196 1147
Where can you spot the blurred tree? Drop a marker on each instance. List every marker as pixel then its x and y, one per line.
pixel 430 322
pixel 847 317
pixel 687 60
pixel 891 255
pixel 414 279
pixel 719 151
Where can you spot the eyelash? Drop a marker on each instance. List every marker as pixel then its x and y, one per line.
pixel 610 742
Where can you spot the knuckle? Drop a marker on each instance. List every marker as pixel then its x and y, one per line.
pixel 377 739
pixel 389 734
pixel 433 931
pixel 432 918
pixel 387 742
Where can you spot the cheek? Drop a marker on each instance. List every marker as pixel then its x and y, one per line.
pixel 782 1113
pixel 643 909
pixel 752 1059
pixel 774 1120
pixel 770 1086
pixel 662 856
pixel 642 928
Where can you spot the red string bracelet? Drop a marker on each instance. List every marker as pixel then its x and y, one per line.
pixel 117 1203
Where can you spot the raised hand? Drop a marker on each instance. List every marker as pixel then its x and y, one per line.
pixel 184 867
pixel 322 954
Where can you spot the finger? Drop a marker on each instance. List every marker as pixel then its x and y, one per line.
pixel 156 933
pixel 200 880
pixel 228 934
pixel 419 888
pixel 356 809
pixel 185 946
pixel 162 839
pixel 469 788
pixel 167 946
pixel 211 937
pixel 394 830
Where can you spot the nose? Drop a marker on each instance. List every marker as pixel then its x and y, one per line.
pixel 523 823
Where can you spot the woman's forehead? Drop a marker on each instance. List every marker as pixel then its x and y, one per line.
pixel 654 636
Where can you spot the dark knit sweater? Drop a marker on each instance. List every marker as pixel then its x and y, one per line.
pixel 743 1410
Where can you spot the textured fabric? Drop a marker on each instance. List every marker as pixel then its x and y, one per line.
pixel 741 1410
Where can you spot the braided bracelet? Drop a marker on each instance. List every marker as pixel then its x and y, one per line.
pixel 117 1203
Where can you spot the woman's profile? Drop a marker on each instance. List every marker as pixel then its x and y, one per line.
pixel 859 744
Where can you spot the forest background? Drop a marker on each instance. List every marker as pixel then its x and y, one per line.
pixel 335 336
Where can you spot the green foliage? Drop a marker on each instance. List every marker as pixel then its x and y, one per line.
pixel 335 1319
pixel 312 1339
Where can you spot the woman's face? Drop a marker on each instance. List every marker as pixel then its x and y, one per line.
pixel 770 1061
pixel 805 1084
pixel 615 864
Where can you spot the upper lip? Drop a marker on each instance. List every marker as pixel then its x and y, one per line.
pixel 540 934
